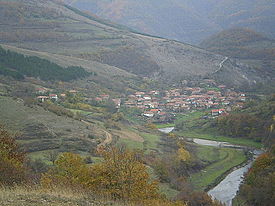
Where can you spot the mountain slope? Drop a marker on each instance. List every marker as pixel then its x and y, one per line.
pixel 250 47
pixel 241 43
pixel 184 20
pixel 55 29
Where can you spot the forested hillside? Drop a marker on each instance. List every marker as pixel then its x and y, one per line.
pixel 254 121
pixel 18 66
pixel 258 186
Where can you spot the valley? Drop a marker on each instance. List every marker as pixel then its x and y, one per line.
pixel 96 113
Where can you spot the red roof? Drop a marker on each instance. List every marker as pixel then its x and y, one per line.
pixel 154 110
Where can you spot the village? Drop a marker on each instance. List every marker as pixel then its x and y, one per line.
pixel 161 106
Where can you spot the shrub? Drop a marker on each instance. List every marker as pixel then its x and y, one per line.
pixel 12 169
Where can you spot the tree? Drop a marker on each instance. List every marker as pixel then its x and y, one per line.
pixel 122 175
pixel 12 169
pixel 258 186
pixel 69 170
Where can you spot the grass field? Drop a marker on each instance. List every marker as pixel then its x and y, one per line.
pixel 221 160
pixel 237 141
pixel 150 142
pixel 159 126
pixel 165 188
pixel 82 112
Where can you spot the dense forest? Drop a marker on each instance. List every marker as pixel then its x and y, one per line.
pixel 18 66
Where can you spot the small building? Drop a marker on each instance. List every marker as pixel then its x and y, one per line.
pixel 41 90
pixel 105 96
pixel 42 98
pixel 53 97
pixel 147 97
pixel 217 112
pixel 148 114
pixel 117 102
pixel 72 91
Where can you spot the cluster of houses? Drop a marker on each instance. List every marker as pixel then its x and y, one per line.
pixel 162 105
pixel 156 103
pixel 44 94
pixel 106 97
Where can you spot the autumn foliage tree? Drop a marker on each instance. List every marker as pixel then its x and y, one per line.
pixel 12 169
pixel 120 176
pixel 258 187
pixel 69 170
pixel 123 176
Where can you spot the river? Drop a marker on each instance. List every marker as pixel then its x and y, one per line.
pixel 227 189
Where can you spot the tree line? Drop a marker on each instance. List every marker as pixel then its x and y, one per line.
pixel 18 66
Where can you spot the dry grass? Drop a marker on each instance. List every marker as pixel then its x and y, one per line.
pixel 128 134
pixel 35 196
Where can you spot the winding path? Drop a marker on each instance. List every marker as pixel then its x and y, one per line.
pixel 221 64
pixel 108 139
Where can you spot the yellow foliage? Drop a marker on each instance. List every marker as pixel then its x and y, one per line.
pixel 183 154
pixel 122 176
pixel 151 126
pixel 69 171
pixel 172 135
pixel 12 169
pixel 83 106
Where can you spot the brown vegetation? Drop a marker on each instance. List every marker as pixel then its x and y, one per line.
pixel 12 169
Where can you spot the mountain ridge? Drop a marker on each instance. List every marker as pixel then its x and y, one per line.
pixel 55 29
pixel 193 21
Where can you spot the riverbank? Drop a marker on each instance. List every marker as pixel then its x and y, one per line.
pixel 226 173
pixel 221 161
pixel 226 190
pixel 219 138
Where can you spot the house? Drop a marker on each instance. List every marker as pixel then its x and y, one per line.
pixel 53 97
pixel 217 112
pixel 139 94
pixel 73 91
pixel 63 95
pixel 117 102
pixel 155 110
pixel 42 98
pixel 41 90
pixel 147 97
pixel 98 99
pixel 105 96
pixel 222 86
pixel 148 114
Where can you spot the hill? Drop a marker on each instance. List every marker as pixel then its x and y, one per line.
pixel 183 20
pixel 241 43
pixel 56 29
pixel 249 47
